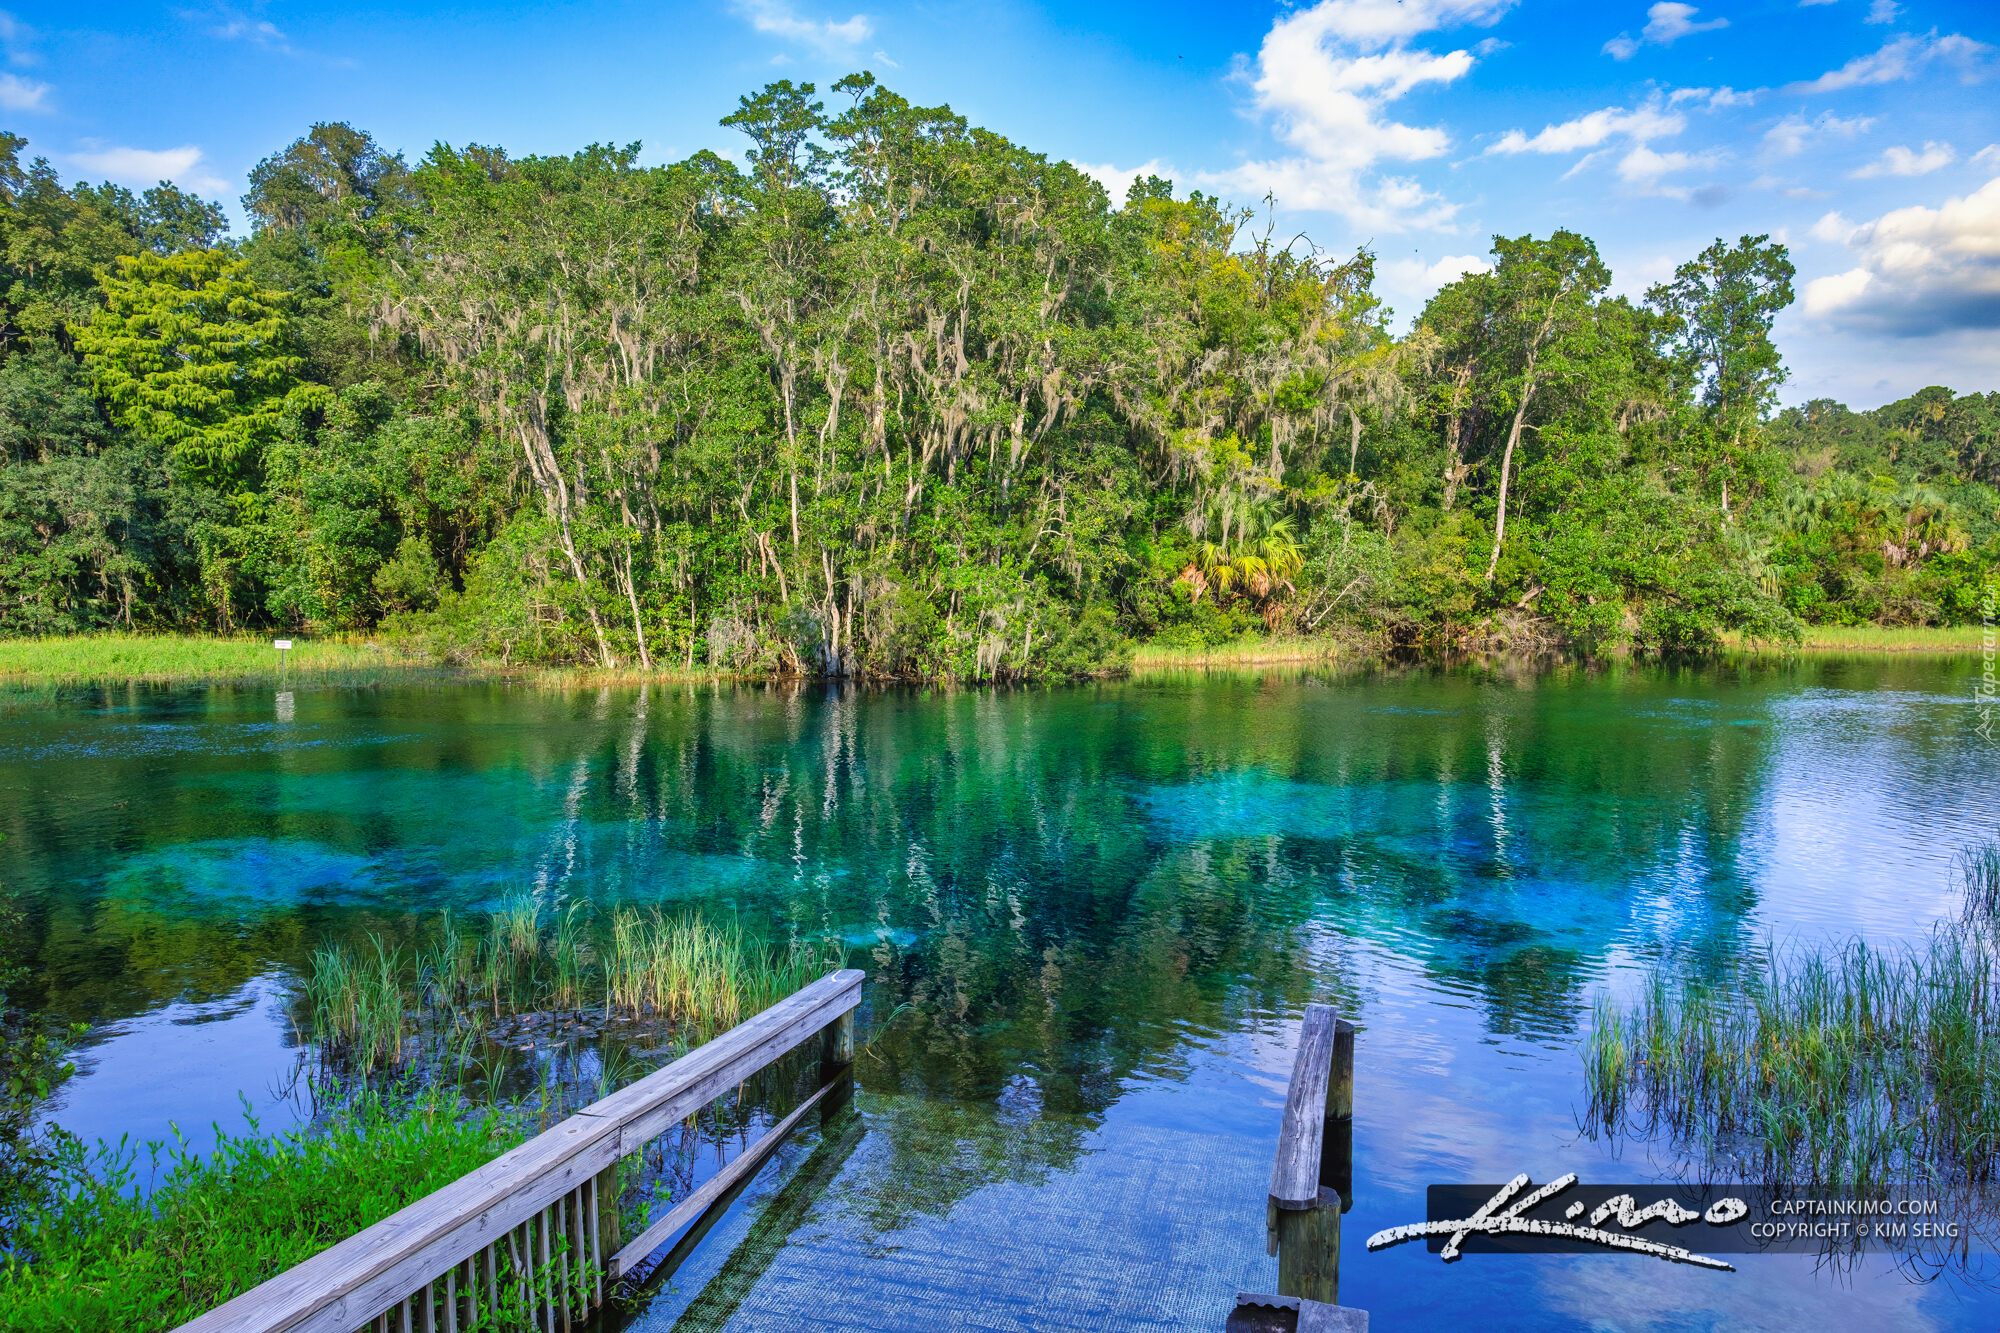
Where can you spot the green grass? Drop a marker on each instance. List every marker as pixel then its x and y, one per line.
pixel 173 659
pixel 103 1254
pixel 1150 658
pixel 1877 639
pixel 1854 1071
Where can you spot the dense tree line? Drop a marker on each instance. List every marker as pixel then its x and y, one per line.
pixel 899 397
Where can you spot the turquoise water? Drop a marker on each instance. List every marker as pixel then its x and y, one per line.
pixel 1090 917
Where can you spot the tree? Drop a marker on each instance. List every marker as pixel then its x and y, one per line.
pixel 189 352
pixel 166 219
pixel 1721 304
pixel 1541 294
pixel 334 173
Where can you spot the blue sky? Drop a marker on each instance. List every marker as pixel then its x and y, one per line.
pixel 1864 133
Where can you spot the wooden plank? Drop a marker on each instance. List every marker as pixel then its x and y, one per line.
pixel 688 1209
pixel 1295 1174
pixel 343 1286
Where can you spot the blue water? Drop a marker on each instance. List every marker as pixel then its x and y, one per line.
pixel 1090 916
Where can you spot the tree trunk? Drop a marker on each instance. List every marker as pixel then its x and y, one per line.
pixel 1506 462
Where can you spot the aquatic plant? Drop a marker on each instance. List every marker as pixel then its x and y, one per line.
pixel 1851 1071
pixel 1979 880
pixel 103 1254
pixel 367 1003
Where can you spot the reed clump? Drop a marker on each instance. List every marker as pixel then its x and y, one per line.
pixel 369 1004
pixel 1979 877
pixel 1853 1071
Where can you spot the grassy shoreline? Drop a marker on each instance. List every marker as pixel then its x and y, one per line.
pixel 1875 639
pixel 173 659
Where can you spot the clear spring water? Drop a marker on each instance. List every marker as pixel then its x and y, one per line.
pixel 1090 916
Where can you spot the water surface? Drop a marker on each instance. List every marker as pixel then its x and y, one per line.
pixel 1090 918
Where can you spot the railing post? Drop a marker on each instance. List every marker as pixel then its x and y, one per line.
pixel 604 1192
pixel 1317 1137
pixel 1309 1250
pixel 836 1050
pixel 836 1065
pixel 1336 1152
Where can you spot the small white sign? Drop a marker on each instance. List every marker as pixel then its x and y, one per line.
pixel 282 644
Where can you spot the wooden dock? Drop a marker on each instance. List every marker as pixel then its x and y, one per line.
pixel 534 1234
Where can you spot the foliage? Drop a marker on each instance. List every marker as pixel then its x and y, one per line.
pixel 188 351
pixel 121 1245
pixel 902 399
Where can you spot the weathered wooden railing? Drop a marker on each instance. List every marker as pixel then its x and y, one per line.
pixel 1312 1183
pixel 533 1235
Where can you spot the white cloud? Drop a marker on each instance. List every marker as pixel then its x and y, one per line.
pixel 1901 161
pixel 1645 171
pixel 1642 125
pixel 1900 59
pixel 1883 11
pixel 1325 77
pixel 1117 180
pixel 1666 23
pixel 1989 156
pixel 1832 228
pixel 775 18
pixel 19 94
pixel 1714 98
pixel 1415 273
pixel 1789 137
pixel 1918 271
pixel 143 167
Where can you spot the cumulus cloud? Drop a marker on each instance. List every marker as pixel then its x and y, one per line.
pixel 1901 161
pixel 1900 59
pixel 1415 274
pixel 1651 121
pixel 1789 137
pixel 184 166
pixel 19 94
pixel 1918 271
pixel 1666 23
pixel 775 18
pixel 1645 171
pixel 1325 77
pixel 1883 11
pixel 1117 180
pixel 1989 156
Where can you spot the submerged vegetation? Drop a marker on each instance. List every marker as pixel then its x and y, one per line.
pixel 380 1005
pixel 1858 1072
pixel 900 398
